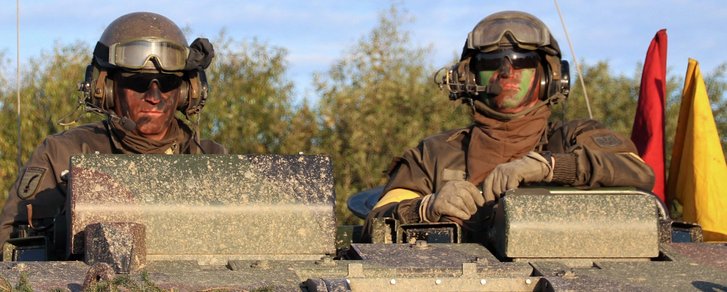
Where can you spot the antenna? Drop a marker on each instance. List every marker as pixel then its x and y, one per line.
pixel 17 78
pixel 575 60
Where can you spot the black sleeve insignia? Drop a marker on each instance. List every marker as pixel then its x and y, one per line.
pixel 29 182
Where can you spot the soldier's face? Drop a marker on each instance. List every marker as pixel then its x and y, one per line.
pixel 517 89
pixel 510 77
pixel 149 100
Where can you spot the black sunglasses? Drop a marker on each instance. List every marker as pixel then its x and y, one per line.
pixel 142 81
pixel 493 61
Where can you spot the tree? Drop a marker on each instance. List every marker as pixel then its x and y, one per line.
pixel 48 95
pixel 249 104
pixel 716 83
pixel 303 134
pixel 612 98
pixel 377 101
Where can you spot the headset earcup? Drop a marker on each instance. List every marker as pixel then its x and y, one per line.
pixel 184 96
pixel 108 99
pixel 98 87
pixel 564 84
pixel 195 93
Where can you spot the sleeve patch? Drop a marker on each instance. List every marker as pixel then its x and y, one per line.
pixel 607 141
pixel 29 182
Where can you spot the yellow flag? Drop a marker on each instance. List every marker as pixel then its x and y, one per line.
pixel 698 173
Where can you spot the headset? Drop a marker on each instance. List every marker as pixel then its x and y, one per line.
pixel 98 91
pixel 460 82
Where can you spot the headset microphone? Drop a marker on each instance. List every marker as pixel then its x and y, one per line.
pixel 125 122
pixel 494 89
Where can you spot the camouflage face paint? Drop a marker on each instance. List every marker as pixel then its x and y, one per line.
pixel 514 88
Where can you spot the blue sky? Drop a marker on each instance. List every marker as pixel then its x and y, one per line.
pixel 316 33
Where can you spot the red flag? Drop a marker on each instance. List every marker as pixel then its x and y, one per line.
pixel 648 129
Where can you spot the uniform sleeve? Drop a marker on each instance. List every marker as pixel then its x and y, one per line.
pixel 408 172
pixel 589 155
pixel 39 184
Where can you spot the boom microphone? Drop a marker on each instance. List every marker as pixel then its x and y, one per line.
pixel 127 124
pixel 493 89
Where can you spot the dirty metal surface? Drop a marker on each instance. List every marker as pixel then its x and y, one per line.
pixel 118 244
pixel 540 224
pixel 713 255
pixel 394 267
pixel 683 267
pixel 174 276
pixel 433 259
pixel 209 207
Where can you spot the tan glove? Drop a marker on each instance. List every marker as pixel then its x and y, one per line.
pixel 458 199
pixel 533 167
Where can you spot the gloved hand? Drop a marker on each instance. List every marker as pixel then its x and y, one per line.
pixel 533 167
pixel 458 199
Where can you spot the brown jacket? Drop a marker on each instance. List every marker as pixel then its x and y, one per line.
pixel 42 182
pixel 586 155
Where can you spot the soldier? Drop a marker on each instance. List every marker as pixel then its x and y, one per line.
pixel 510 73
pixel 142 71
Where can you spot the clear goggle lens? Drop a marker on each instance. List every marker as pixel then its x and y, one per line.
pixel 528 34
pixel 137 54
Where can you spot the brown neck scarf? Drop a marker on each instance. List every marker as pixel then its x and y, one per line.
pixel 176 141
pixel 493 142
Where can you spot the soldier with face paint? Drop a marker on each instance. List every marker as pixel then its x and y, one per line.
pixel 510 73
pixel 142 72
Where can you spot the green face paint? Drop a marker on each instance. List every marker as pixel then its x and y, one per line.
pixel 514 87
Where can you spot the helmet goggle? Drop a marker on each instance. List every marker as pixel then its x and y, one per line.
pixel 138 54
pixel 528 34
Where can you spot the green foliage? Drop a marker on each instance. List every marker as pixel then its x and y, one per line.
pixel 249 104
pixel 125 283
pixel 23 284
pixel 612 98
pixel 377 101
pixel 48 94
pixel 716 83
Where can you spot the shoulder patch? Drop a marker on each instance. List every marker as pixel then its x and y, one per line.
pixel 29 182
pixel 608 140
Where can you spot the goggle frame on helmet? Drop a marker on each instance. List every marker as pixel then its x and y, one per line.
pixel 528 34
pixel 135 54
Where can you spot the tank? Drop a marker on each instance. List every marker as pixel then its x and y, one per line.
pixel 267 223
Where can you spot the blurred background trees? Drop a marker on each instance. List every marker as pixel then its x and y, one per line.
pixel 376 100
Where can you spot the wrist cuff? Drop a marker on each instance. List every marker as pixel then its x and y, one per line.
pixel 407 211
pixel 564 171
